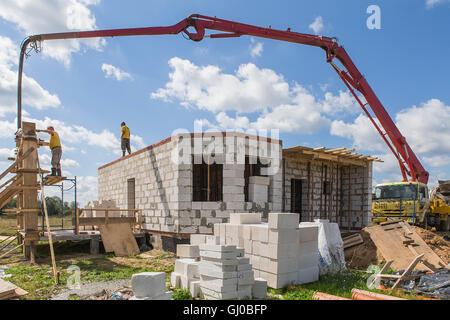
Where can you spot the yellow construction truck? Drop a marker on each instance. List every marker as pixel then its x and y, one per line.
pixel 411 201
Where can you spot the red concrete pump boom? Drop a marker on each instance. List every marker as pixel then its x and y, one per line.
pixel 194 27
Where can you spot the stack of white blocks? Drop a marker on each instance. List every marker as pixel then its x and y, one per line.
pixel 280 251
pixel 222 273
pixel 150 286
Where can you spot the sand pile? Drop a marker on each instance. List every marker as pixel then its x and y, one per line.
pixel 361 256
pixel 437 243
pixel 365 254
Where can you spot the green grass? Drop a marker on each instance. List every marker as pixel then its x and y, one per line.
pixel 339 284
pixel 8 224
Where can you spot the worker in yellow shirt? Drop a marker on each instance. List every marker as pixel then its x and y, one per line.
pixel 125 139
pixel 55 147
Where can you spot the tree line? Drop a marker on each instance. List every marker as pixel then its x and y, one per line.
pixel 53 205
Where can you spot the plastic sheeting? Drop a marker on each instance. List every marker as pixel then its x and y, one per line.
pixel 436 285
pixel 331 247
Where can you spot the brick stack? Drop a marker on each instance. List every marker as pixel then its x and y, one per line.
pixel 279 251
pixel 218 272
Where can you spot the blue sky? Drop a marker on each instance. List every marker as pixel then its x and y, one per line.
pixel 161 83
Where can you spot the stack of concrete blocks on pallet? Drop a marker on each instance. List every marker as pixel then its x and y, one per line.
pixel 281 251
pixel 224 272
pixel 150 286
pixel 186 274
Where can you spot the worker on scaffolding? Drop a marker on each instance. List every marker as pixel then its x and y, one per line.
pixel 55 147
pixel 125 139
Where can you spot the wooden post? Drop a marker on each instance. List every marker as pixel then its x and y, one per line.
pixel 29 200
pixel 363 196
pixel 321 190
pixel 330 196
pixel 348 198
pixel 337 192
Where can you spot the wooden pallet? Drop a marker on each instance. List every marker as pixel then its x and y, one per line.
pixel 398 242
pixel 10 291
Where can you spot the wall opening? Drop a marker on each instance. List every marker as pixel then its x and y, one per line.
pixel 252 168
pixel 131 194
pixel 207 182
pixel 296 196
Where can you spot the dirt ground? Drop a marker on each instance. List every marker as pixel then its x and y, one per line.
pixel 365 254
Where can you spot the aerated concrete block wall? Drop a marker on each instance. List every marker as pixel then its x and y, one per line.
pixel 335 206
pixel 163 184
pixel 156 185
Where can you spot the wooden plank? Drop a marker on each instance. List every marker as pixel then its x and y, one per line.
pixel 410 268
pixel 391 246
pixel 119 238
pixel 97 221
pixel 20 158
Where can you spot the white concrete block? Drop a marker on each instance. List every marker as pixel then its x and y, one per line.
pixel 308 260
pixel 217 255
pixel 197 239
pixel 205 266
pixel 212 240
pixel 245 218
pixel 278 281
pixel 306 248
pixel 255 262
pixel 212 285
pixel 194 289
pixel 217 248
pixel 279 250
pixel 283 220
pixel 234 231
pixel 218 274
pixel 187 251
pixel 187 267
pixel 240 252
pixel 278 265
pixel 256 248
pixel 259 288
pixel 283 235
pixel 260 233
pixel 148 284
pixel 260 180
pixel 243 267
pixel 219 282
pixel 308 233
pixel 245 277
pixel 248 245
pixel 220 262
pixel 244 292
pixel 213 295
pixel 175 279
pixel 243 260
pixel 308 275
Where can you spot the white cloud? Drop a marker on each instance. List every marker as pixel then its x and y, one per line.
pixel 361 132
pixel 290 108
pixel 317 25
pixel 114 72
pixel 33 94
pixel 256 48
pixel 66 163
pixel 5 153
pixel 87 189
pixel 48 16
pixel 427 131
pixel 427 127
pixel 433 3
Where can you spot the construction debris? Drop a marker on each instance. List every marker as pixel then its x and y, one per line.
pixel 353 240
pixel 9 291
pixel 398 241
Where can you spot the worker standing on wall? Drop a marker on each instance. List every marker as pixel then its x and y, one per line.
pixel 55 147
pixel 125 139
